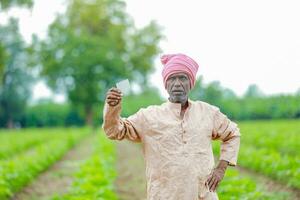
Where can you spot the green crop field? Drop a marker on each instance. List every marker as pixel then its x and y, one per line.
pixel 32 152
pixel 268 148
pixel 272 148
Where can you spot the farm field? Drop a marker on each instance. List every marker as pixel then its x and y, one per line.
pixel 22 166
pixel 272 149
pixel 98 168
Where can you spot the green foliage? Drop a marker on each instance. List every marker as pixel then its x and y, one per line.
pixel 51 114
pixel 284 168
pixel 16 141
pixel 281 135
pixel 253 91
pixel 253 105
pixel 93 45
pixel 2 62
pixel 132 103
pixel 212 93
pixel 15 78
pixel 271 148
pixel 48 114
pixel 235 186
pixel 96 176
pixel 6 4
pixel 21 168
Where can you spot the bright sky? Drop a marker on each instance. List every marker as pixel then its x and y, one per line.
pixel 235 42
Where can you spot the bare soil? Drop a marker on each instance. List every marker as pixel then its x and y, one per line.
pixel 131 180
pixel 58 178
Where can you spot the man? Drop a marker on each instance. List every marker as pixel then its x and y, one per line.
pixel 176 136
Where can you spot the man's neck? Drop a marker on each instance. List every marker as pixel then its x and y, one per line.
pixel 183 108
pixel 184 105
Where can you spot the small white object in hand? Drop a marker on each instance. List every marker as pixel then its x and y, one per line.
pixel 124 86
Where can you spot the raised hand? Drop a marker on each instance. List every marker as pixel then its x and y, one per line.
pixel 113 96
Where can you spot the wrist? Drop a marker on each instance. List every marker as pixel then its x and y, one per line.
pixel 223 164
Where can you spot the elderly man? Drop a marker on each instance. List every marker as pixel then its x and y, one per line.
pixel 177 136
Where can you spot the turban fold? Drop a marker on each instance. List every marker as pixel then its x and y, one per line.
pixel 174 63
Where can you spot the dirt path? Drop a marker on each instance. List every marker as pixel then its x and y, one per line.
pixel 269 184
pixel 131 181
pixel 57 178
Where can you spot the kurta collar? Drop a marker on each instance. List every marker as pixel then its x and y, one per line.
pixel 176 107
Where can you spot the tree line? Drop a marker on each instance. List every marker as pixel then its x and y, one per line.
pixel 253 105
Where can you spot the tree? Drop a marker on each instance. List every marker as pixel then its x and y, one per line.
pixel 198 92
pixel 15 78
pixel 92 46
pixel 2 61
pixel 6 4
pixel 253 91
pixel 214 93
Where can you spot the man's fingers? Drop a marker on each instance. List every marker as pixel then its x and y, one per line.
pixel 115 93
pixel 111 96
pixel 113 99
pixel 209 178
pixel 210 182
pixel 113 102
pixel 115 90
pixel 214 186
pixel 217 184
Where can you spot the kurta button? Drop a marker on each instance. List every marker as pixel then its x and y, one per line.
pixel 184 142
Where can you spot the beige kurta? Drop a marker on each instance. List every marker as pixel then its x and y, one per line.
pixel 177 150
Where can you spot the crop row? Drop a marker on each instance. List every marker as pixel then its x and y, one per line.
pixel 19 170
pixel 284 168
pixel 267 149
pixel 282 136
pixel 236 187
pixel 16 141
pixel 96 176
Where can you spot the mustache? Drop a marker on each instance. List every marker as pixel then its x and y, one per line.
pixel 177 90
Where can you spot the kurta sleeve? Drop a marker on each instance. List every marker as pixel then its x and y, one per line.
pixel 117 128
pixel 229 133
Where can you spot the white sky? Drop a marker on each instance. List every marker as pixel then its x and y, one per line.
pixel 236 42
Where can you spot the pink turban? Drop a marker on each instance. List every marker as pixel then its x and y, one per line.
pixel 174 63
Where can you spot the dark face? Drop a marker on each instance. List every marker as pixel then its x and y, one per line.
pixel 178 87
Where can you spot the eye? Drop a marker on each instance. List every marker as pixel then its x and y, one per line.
pixel 172 78
pixel 183 78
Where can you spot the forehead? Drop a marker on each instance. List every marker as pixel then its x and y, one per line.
pixel 179 74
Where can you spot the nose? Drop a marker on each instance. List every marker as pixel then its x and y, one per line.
pixel 177 83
